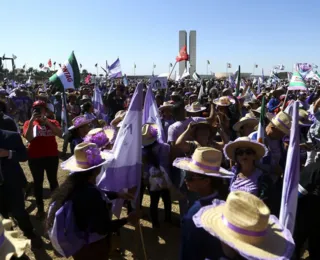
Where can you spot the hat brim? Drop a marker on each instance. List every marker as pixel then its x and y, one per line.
pixel 238 125
pixel 218 103
pixel 165 106
pixel 111 133
pixel 13 244
pixel 82 124
pixel 272 116
pixel 230 148
pixel 71 164
pixel 184 164
pixel 277 243
pixel 188 108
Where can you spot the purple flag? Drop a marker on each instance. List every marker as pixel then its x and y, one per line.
pixel 124 171
pixel 97 102
pixel 151 114
pixel 291 175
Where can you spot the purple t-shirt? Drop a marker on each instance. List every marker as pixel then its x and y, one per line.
pixel 176 129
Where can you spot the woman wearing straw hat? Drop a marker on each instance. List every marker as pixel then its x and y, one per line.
pixel 246 125
pixel 79 129
pixel 205 177
pixel 79 221
pixel 245 228
pixel 155 172
pixel 11 246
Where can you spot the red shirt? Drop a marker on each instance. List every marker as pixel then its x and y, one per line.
pixel 44 144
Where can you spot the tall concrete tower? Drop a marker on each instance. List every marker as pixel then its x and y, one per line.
pixel 192 52
pixel 182 42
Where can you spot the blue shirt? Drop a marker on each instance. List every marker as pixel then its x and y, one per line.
pixel 272 105
pixel 196 243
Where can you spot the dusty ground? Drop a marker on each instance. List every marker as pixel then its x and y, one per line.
pixel 160 243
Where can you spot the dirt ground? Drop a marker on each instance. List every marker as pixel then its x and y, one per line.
pixel 162 243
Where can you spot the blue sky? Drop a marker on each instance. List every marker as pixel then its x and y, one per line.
pixel 242 32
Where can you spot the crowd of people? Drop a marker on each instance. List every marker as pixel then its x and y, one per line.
pixel 227 182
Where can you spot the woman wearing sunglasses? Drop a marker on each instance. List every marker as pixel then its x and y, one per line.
pixel 245 152
pixel 205 177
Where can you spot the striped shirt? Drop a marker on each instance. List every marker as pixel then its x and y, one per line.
pixel 248 184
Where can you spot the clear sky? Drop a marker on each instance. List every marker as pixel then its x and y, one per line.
pixel 242 32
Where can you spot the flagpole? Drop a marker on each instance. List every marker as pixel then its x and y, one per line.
pixel 207 68
pixel 285 100
pixel 254 66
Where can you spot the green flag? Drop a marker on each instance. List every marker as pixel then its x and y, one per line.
pixel 238 82
pixel 297 82
pixel 68 76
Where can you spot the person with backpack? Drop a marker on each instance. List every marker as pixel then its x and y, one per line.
pixel 79 222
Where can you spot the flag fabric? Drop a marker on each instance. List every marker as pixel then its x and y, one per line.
pixel 14 56
pixel 313 75
pixel 289 75
pixel 259 87
pixel 229 65
pixel 80 65
pixel 184 74
pixel 238 81
pixel 24 66
pixel 208 62
pixel 182 55
pixel 201 92
pixel 279 67
pixel 68 76
pixel 232 81
pixel 97 102
pixel 256 65
pixel 303 69
pixel 297 82
pixel 49 63
pixel 125 170
pixel 314 66
pixel 170 64
pixel 115 70
pixel 196 76
pixel 289 198
pixel 151 114
pixel 96 65
pixel 260 133
pixel 64 114
pixel 87 79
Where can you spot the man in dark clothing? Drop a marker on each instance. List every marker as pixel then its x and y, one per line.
pixel 308 211
pixel 115 102
pixel 12 182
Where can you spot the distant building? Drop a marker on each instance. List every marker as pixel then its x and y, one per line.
pixel 182 42
pixel 192 52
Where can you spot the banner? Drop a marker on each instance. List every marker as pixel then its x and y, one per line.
pixel 159 82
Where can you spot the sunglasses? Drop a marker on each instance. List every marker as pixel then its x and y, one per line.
pixel 245 151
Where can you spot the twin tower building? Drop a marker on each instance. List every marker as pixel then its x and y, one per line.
pixel 192 51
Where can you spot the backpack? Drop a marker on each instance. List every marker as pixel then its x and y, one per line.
pixel 65 237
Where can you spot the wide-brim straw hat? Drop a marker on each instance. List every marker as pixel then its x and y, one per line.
pixel 281 121
pixel 101 137
pixel 175 93
pixel 224 101
pixel 87 156
pixel 119 116
pixel 79 121
pixel 205 161
pixel 195 107
pixel 248 119
pixel 256 112
pixel 11 243
pixel 244 223
pixel 166 105
pixel 149 134
pixel 304 118
pixel 244 142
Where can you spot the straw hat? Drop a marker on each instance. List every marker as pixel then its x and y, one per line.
pixel 247 119
pixel 101 137
pixel 85 97
pixel 224 101
pixel 304 118
pixel 281 121
pixel 10 244
pixel 118 118
pixel 256 112
pixel 166 105
pixel 244 223
pixel 149 134
pixel 175 93
pixel 79 121
pixel 244 142
pixel 86 156
pixel 206 161
pixel 195 107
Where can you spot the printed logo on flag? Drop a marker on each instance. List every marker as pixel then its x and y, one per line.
pixel 159 82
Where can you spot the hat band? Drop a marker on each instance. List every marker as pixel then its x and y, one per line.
pixel 243 231
pixel 1 239
pixel 283 124
pixel 212 168
pixel 82 163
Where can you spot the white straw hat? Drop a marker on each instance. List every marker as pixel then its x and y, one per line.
pixel 101 137
pixel 10 244
pixel 86 156
pixel 166 105
pixel 206 161
pixel 149 134
pixel 281 121
pixel 244 142
pixel 195 107
pixel 244 223
pixel 224 101
pixel 247 119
